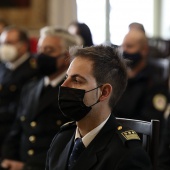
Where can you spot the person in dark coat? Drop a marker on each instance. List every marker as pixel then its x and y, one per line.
pixel 17 67
pixel 146 95
pixel 94 140
pixel 39 118
pixel 83 31
pixel 164 151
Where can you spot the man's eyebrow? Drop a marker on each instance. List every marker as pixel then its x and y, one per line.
pixel 78 75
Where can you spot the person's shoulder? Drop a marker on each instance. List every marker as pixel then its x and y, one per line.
pixel 127 135
pixel 64 134
pixel 68 126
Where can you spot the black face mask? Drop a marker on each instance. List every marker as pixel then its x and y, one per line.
pixel 46 64
pixel 134 57
pixel 71 103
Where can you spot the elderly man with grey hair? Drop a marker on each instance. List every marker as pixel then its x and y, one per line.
pixel 38 118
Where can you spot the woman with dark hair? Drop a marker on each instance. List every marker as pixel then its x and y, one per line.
pixel 82 30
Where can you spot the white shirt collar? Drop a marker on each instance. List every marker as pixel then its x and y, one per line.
pixel 18 62
pixel 92 134
pixel 55 81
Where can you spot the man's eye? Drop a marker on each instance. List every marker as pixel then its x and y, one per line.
pixel 65 78
pixel 75 80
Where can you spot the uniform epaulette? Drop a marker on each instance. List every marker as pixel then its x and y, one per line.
pixel 126 134
pixel 33 63
pixel 68 125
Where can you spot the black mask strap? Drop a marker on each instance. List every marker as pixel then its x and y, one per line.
pixel 92 90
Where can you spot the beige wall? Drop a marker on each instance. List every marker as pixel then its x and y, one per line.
pixel 31 18
pixel 41 13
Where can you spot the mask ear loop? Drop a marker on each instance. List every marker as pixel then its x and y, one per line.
pixel 94 88
pixel 98 99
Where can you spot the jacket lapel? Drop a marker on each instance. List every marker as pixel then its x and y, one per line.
pixel 35 95
pixel 62 163
pixel 50 96
pixel 90 155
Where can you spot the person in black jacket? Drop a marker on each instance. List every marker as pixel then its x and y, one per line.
pixel 17 67
pixel 164 151
pixel 83 32
pixel 95 80
pixel 38 117
pixel 146 95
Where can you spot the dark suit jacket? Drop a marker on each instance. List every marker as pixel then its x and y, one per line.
pixel 37 122
pixel 11 84
pixel 164 153
pixel 107 151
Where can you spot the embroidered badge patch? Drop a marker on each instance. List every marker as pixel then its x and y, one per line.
pixel 130 134
pixel 159 102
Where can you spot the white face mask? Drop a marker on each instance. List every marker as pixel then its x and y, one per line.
pixel 8 53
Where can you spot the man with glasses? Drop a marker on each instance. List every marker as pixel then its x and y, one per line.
pixel 17 67
pixel 38 117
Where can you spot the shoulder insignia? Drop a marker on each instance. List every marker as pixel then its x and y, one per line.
pixel 33 63
pixel 67 125
pixel 127 134
pixel 159 102
pixel 167 112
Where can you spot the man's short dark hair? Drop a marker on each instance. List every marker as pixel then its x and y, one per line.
pixel 22 34
pixel 108 67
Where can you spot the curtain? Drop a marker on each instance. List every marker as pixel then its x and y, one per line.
pixel 62 12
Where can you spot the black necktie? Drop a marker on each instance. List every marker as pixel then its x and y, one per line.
pixel 77 150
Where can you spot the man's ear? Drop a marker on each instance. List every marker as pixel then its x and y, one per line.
pixel 106 91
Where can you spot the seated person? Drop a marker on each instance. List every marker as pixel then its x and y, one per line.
pixel 95 80
pixel 38 117
pixel 145 97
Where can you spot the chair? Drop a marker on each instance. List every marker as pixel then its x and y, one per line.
pixel 149 133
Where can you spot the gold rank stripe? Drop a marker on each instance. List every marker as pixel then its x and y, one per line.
pixel 130 134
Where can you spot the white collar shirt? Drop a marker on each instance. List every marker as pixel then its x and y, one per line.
pixel 55 81
pixel 17 63
pixel 91 135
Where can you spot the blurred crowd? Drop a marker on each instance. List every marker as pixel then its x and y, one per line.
pixel 31 70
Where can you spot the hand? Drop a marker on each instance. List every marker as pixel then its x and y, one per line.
pixel 12 164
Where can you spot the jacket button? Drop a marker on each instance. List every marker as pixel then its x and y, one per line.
pixel 32 139
pixel 22 118
pixel 58 122
pixel 33 124
pixel 12 88
pixel 30 152
pixel 0 87
pixel 119 128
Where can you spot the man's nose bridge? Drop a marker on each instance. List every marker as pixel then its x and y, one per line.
pixel 64 84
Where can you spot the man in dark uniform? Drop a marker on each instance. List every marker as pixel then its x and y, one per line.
pixel 38 117
pixel 145 97
pixel 95 80
pixel 164 152
pixel 17 67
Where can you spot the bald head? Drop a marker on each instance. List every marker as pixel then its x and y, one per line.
pixel 134 41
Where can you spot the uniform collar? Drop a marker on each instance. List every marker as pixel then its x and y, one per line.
pixel 92 134
pixel 18 62
pixel 55 81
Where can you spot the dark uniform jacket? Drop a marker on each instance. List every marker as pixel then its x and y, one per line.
pixel 164 154
pixel 37 122
pixel 11 83
pixel 145 97
pixel 109 150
